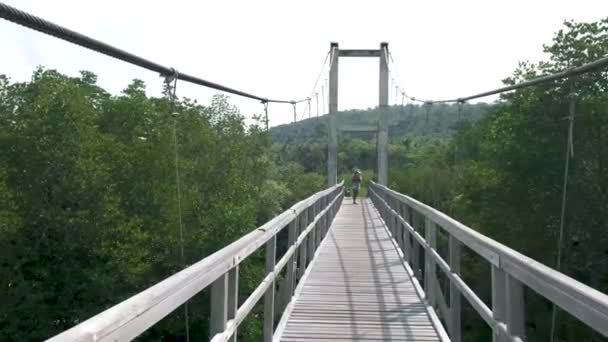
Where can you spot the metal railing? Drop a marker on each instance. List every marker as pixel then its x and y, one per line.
pixel 511 271
pixel 307 223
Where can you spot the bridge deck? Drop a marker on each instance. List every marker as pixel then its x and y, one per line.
pixel 357 287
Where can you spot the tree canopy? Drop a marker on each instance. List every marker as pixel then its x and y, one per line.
pixel 89 212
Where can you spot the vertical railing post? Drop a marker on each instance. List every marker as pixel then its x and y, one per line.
pixel 454 321
pixel 233 297
pixel 291 269
pixel 321 221
pixel 380 198
pixel 389 217
pixel 310 213
pixel 410 215
pixel 376 198
pixel 400 227
pixel 415 248
pixel 271 247
pixel 396 224
pixel 386 206
pixel 334 207
pixel 515 307
pixel 325 220
pixel 330 208
pixel 318 226
pixel 429 262
pixel 382 204
pixel 499 305
pixel 387 211
pixel 304 245
pixel 407 237
pixel 219 306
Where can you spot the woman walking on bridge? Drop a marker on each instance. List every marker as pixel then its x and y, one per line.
pixel 356 185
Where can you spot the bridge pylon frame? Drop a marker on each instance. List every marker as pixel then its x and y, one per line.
pixel 382 131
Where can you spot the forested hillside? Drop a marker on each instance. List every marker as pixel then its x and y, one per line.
pixel 411 121
pixel 90 213
pixel 412 127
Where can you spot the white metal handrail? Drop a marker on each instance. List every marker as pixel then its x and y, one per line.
pixel 307 222
pixel 511 270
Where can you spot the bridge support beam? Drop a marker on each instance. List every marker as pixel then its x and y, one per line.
pixel 382 128
pixel 332 132
pixel 383 117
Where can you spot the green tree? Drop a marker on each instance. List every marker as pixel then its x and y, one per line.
pixel 510 184
pixel 89 210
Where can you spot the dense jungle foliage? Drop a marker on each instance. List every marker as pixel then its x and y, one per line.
pixel 89 213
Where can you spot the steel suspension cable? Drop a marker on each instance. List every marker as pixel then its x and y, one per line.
pixel 456 150
pixel 390 88
pixel 36 23
pixel 323 98
pixel 309 111
pixel 409 97
pixel 314 87
pixel 569 155
pixel 172 94
pixel 326 98
pixel 303 116
pixel 304 108
pixel 596 65
pixel 397 94
pixel 266 115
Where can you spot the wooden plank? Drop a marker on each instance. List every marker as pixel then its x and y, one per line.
pixel 357 287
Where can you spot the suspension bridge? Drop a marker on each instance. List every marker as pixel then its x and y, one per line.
pixel 366 272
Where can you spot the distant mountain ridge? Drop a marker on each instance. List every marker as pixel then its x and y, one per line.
pixel 411 121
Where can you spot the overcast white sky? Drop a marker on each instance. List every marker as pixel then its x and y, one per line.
pixel 273 48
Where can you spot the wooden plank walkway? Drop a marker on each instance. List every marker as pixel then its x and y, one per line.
pixel 357 288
